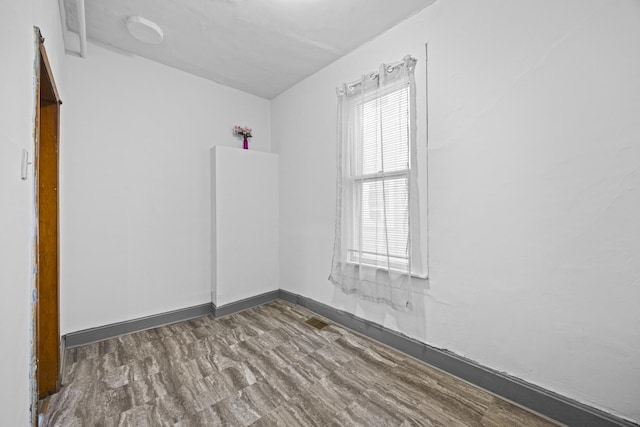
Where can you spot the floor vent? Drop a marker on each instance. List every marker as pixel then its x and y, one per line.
pixel 316 323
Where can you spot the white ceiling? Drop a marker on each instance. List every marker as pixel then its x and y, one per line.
pixel 259 46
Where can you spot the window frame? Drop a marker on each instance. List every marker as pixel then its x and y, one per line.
pixel 355 182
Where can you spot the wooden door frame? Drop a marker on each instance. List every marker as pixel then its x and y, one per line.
pixel 47 237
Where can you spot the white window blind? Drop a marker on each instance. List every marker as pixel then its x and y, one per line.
pixel 380 166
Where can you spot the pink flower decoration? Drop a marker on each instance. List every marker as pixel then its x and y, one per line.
pixel 244 131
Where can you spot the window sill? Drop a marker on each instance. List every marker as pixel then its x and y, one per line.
pixel 373 267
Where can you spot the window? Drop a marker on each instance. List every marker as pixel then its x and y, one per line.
pixel 379 169
pixel 377 247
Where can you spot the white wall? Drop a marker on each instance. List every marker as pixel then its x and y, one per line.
pixel 244 224
pixel 16 212
pixel 533 156
pixel 16 104
pixel 534 172
pixel 135 185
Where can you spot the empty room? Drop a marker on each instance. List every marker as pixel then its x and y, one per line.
pixel 320 212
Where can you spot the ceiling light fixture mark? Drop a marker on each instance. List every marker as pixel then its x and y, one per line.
pixel 145 30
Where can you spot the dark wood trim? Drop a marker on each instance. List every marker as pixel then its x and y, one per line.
pixel 51 94
pixel 47 135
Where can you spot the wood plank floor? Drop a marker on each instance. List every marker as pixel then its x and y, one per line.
pixel 264 367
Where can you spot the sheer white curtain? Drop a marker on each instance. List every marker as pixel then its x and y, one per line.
pixel 377 227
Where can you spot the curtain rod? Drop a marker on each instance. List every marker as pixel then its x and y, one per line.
pixel 375 74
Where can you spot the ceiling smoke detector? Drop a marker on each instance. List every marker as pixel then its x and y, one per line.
pixel 144 30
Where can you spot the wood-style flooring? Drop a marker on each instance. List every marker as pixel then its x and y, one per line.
pixel 264 367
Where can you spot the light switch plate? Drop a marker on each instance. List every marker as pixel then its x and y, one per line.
pixel 24 169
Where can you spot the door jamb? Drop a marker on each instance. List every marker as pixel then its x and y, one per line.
pixel 46 182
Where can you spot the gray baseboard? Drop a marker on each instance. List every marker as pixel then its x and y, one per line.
pixel 61 365
pixel 245 304
pixel 552 405
pixel 75 339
